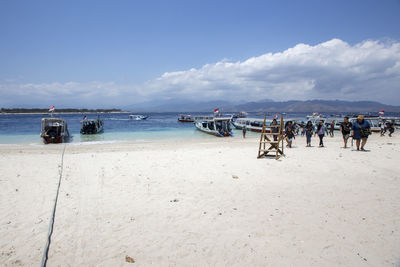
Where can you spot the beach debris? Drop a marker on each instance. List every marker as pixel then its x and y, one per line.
pixel 174 200
pixel 129 259
pixel 16 190
pixel 235 177
pixel 361 257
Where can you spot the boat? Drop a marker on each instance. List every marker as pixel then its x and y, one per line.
pixel 185 118
pixel 54 130
pixel 92 126
pixel 374 122
pixel 251 124
pixel 215 126
pixel 137 117
pixel 239 115
pixel 191 118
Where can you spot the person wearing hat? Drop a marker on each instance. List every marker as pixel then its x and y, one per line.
pixel 360 132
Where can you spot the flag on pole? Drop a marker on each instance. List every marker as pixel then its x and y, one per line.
pixel 51 109
pixel 381 113
pixel 216 110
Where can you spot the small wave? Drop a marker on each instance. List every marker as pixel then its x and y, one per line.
pixel 94 143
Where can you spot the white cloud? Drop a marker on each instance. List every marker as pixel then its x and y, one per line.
pixel 331 70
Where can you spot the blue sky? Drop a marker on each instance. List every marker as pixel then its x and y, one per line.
pixel 122 51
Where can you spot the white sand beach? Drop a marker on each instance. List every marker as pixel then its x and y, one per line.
pixel 202 203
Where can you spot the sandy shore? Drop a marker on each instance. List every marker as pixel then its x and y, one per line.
pixel 180 204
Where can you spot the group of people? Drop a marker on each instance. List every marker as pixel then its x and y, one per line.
pixel 359 131
pixel 387 126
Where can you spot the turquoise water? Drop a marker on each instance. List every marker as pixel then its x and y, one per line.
pixel 25 128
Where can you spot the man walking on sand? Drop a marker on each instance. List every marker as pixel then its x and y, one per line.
pixel 345 128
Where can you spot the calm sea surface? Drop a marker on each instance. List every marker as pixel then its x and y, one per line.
pixel 25 128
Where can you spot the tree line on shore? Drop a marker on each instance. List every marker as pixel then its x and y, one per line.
pixel 59 110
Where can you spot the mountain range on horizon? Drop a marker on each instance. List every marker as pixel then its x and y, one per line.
pixel 267 105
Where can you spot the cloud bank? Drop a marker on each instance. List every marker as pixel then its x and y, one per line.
pixel 369 70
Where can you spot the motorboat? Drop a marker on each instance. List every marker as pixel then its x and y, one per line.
pixel 239 115
pixel 185 118
pixel 251 124
pixel 217 126
pixel 92 126
pixel 54 130
pixel 137 117
pixel 193 118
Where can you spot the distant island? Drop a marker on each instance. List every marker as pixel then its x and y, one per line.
pixel 60 110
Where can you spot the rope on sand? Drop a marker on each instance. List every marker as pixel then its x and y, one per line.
pixel 46 249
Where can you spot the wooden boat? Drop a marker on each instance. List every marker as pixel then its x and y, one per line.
pixel 251 124
pixel 239 115
pixel 92 126
pixel 54 130
pixel 185 118
pixel 191 118
pixel 216 126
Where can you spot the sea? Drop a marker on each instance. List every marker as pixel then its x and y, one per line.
pixel 118 127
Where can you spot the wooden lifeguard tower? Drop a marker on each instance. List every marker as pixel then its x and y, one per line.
pixel 267 137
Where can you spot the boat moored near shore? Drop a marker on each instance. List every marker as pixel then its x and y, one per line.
pixel 216 126
pixel 92 126
pixel 54 130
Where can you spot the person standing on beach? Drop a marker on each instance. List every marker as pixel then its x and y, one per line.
pixel 321 132
pixel 331 128
pixel 289 134
pixel 360 132
pixel 345 128
pixel 274 129
pixel 309 129
pixel 383 127
pixel 390 128
pixel 244 131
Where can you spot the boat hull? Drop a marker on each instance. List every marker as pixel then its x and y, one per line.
pixel 199 126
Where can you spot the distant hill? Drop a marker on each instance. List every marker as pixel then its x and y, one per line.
pixel 331 106
pixel 317 106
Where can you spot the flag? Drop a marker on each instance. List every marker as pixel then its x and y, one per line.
pixel 381 113
pixel 51 109
pixel 276 116
pixel 216 110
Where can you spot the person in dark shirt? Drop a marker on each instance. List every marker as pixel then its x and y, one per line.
pixel 331 128
pixel 390 127
pixel 321 132
pixel 309 129
pixel 345 129
pixel 274 130
pixel 289 134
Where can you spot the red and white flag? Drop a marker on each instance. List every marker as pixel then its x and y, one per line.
pixel 51 109
pixel 276 116
pixel 381 113
pixel 216 110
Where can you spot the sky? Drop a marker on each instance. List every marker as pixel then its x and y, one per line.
pixel 95 54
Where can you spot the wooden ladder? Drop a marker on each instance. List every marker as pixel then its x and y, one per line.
pixel 275 147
